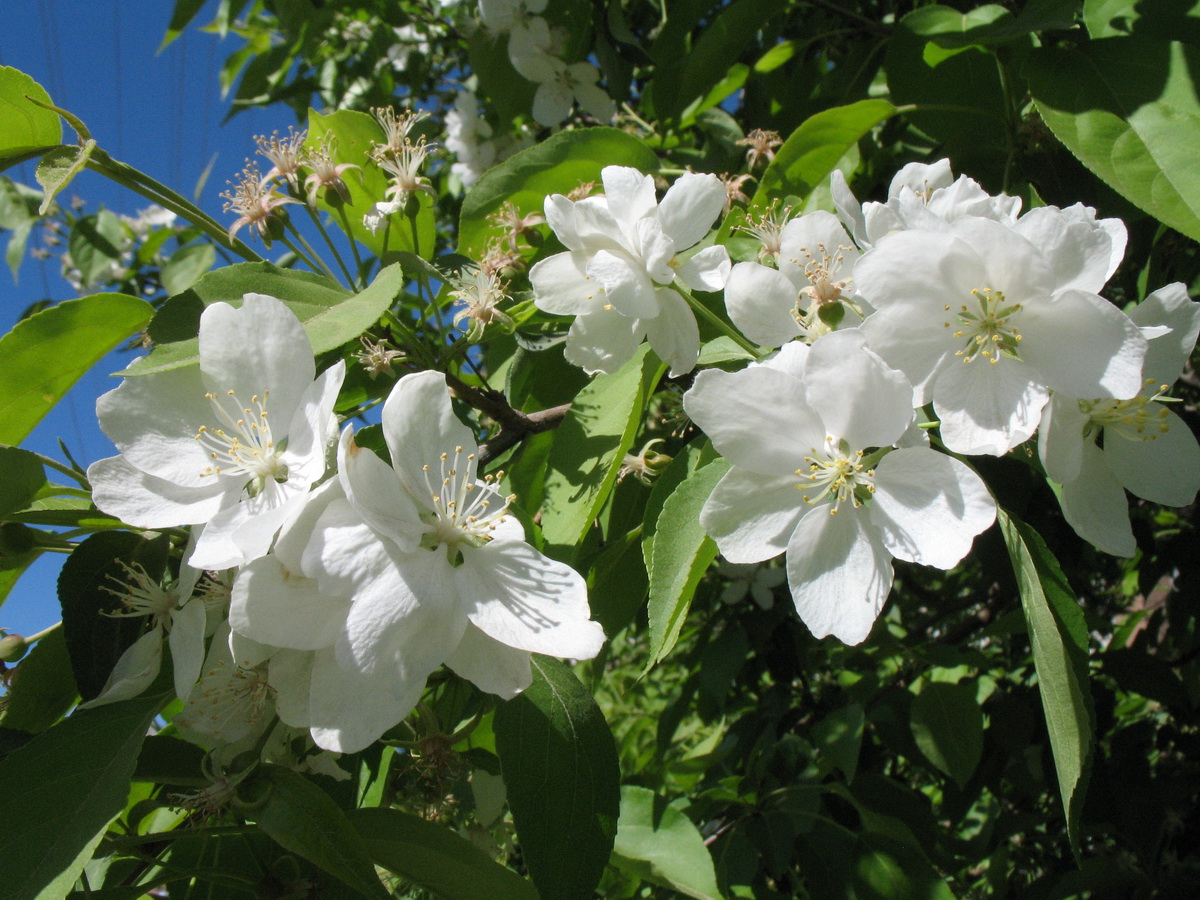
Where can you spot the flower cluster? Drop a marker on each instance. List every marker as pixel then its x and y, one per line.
pixel 535 50
pixel 337 582
pixel 942 298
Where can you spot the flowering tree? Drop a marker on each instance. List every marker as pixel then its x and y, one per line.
pixel 552 332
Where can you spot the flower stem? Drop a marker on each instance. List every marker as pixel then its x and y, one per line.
pixel 350 282
pixel 350 237
pixel 57 466
pixel 718 323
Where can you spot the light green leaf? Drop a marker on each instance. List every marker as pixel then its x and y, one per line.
pixel 14 253
pixel 947 725
pixel 47 822
pixel 435 857
pixel 25 127
pixel 557 165
pixel 181 16
pixel 658 843
pixel 681 554
pixel 1058 636
pixel 304 820
pixel 354 133
pixel 1128 109
pixel 58 167
pixel 328 322
pixel 45 354
pixel 95 244
pixel 561 773
pixel 1173 21
pixel 590 445
pixel 186 266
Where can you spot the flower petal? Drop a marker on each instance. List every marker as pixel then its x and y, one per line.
pixel 987 409
pixel 673 333
pixel 490 665
pixel 603 341
pixel 419 425
pixel 1165 468
pixel 562 286
pixel 689 207
pixel 135 670
pixel 1060 438
pixel 839 573
pixel 349 711
pixel 752 516
pixel 313 427
pixel 929 507
pixel 1167 354
pixel 378 497
pixel 275 605
pixel 626 285
pixel 186 641
pixel 1095 505
pixel 857 395
pixel 526 600
pixel 760 301
pixel 140 499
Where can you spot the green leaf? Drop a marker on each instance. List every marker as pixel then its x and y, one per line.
pixel 839 738
pixel 25 127
pixel 557 165
pixel 435 858
pixel 560 770
pixel 181 17
pixel 329 322
pixel 1174 21
pixel 95 639
pixel 58 167
pixel 45 354
pixel 590 445
pixel 812 151
pixel 95 245
pixel 44 689
pixel 1058 635
pixel 353 134
pixel 46 822
pixel 947 725
pixel 304 820
pixel 689 76
pixel 186 266
pixel 681 554
pixel 658 843
pixel 1128 109
pixel 23 478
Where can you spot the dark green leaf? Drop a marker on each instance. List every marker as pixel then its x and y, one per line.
pixel 45 354
pixel 44 688
pixel 839 739
pixel 1128 108
pixel 95 244
pixel 85 590
pixel 947 725
pixel 46 823
pixel 658 843
pixel 557 165
pixel 23 478
pixel 1059 638
pixel 435 857
pixel 563 781
pixel 681 553
pixel 181 17
pixel 304 820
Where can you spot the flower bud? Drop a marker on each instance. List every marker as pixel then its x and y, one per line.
pixel 12 647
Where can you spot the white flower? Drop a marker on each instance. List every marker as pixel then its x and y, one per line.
pixel 810 294
pixel 622 251
pixel 1097 449
pixel 560 85
pixel 467 134
pixel 984 323
pixel 518 18
pixel 409 568
pixel 802 432
pixel 920 196
pixel 234 443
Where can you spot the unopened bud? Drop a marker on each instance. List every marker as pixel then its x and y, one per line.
pixel 12 647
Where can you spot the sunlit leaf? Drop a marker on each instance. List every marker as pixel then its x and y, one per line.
pixel 25 127
pixel 658 843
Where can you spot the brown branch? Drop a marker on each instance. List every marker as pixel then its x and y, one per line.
pixel 515 425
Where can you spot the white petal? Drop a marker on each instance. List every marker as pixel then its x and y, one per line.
pixel 551 103
pixel 603 341
pixel 526 600
pixel 149 502
pixel 419 425
pixel 839 573
pixel 244 531
pixel 375 492
pixel 673 333
pixel 1060 438
pixel 757 418
pixel 907 337
pixel 490 665
pixel 689 208
pixel 135 670
pixel 849 210
pixel 857 395
pixel 349 711
pixel 707 270
pixel 313 427
pixel 1165 468
pixel 626 285
pixel 987 409
pixel 1083 346
pixel 561 285
pixel 630 194
pixel 1094 504
pixel 929 507
pixel 593 100
pixel 760 301
pixel 1166 355
pixel 751 516
pixel 655 250
pixel 290 675
pixel 1079 250
pixel 186 641
pixel 275 605
pixel 560 216
pixel 258 348
pixel 791 358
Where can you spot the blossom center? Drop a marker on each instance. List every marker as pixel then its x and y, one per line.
pixel 141 595
pixel 835 475
pixel 462 509
pixel 242 445
pixel 987 327
pixel 1133 419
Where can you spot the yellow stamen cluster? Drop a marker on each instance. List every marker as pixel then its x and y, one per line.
pixel 1132 419
pixel 989 331
pixel 244 445
pixel 835 474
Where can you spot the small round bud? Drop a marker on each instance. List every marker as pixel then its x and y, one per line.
pixel 12 647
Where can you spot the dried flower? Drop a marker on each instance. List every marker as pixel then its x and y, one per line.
pixel 480 294
pixel 284 154
pixel 762 144
pixel 325 172
pixel 253 201
pixel 514 224
pixel 376 357
pixel 768 229
pixel 733 189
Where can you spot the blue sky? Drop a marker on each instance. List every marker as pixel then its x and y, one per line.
pixel 161 113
